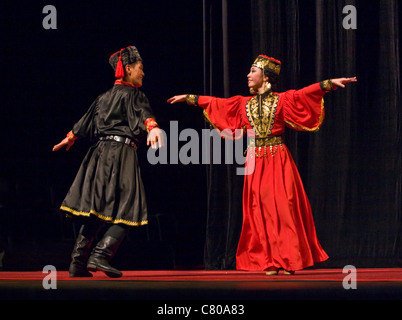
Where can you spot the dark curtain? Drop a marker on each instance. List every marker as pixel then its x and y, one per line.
pixel 226 38
pixel 351 168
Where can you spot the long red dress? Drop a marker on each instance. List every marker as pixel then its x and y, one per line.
pixel 278 228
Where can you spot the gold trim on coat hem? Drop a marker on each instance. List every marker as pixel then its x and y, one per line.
pixel 105 218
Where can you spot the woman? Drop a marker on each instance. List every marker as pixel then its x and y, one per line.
pixel 278 230
pixel 108 186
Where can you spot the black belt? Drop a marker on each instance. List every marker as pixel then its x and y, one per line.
pixel 120 139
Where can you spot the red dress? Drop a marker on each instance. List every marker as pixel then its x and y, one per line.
pixel 278 228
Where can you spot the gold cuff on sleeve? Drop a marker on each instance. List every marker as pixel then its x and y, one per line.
pixel 192 99
pixel 326 85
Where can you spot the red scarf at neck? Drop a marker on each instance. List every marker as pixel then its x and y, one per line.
pixel 121 82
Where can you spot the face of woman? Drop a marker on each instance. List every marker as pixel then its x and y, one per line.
pixel 256 79
pixel 135 74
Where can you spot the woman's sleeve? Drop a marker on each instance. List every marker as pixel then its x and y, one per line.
pixel 304 109
pixel 85 127
pixel 223 114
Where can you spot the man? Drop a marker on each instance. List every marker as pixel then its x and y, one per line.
pixel 108 188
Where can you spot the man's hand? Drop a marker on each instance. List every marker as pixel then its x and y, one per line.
pixel 155 136
pixel 65 142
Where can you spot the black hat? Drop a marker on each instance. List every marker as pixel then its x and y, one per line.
pixel 123 57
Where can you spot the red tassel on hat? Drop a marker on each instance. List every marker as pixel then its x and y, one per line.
pixel 119 68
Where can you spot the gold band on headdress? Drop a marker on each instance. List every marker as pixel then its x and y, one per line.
pixel 267 64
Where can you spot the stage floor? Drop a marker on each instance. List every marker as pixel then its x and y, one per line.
pixel 197 285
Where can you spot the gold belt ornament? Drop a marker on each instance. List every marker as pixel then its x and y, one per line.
pixel 259 146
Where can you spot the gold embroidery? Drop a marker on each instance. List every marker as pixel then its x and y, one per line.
pixel 191 99
pixel 261 114
pixel 150 123
pixel 326 85
pixel 71 136
pixel 265 142
pixel 271 64
pixel 259 147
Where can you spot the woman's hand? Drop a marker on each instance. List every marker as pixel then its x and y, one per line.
pixel 155 136
pixel 340 82
pixel 65 142
pixel 176 99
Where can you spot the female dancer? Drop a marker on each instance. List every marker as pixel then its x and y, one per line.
pixel 278 230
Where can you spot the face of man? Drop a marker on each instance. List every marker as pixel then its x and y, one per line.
pixel 135 73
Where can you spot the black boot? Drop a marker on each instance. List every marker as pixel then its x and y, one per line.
pixel 102 254
pixel 79 256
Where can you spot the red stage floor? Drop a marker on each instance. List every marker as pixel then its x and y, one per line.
pixel 323 284
pixel 337 275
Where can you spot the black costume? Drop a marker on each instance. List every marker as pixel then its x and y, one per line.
pixel 108 186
